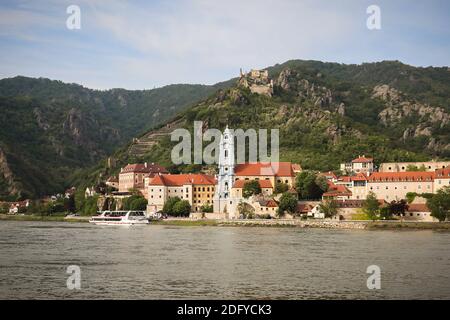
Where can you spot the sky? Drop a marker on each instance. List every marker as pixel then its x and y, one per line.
pixel 146 44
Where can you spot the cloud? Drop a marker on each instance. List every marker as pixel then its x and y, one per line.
pixel 140 44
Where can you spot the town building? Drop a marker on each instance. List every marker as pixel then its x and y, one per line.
pixel 238 187
pixel 360 164
pixel 395 185
pixel 132 176
pixel 441 178
pixel 198 189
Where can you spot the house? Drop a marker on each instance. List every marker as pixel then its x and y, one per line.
pixel 419 212
pixel 337 192
pixel 264 207
pixel 310 210
pixel 198 189
pixel 356 184
pixel 132 176
pixel 360 164
pixel 238 187
pixel 275 172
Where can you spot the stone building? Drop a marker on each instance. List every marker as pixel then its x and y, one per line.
pixel 198 189
pixel 257 81
pixel 360 164
pixel 132 176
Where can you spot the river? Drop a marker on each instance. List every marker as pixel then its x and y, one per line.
pixel 165 262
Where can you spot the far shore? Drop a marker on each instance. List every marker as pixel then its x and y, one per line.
pixel 291 223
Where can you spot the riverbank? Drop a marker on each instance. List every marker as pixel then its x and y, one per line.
pixel 292 223
pixel 323 224
pixel 32 217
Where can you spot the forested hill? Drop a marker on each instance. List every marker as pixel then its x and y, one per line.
pixel 326 112
pixel 50 129
pixel 50 132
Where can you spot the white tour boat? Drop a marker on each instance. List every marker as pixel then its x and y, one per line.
pixel 116 218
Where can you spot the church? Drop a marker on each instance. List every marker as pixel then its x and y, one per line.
pixel 231 177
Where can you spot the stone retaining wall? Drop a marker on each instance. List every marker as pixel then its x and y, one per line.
pixel 325 224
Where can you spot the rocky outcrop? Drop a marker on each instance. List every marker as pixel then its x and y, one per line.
pixel 398 108
pixel 40 119
pixel 386 93
pixel 290 80
pixel 7 175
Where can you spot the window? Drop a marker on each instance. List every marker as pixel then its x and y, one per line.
pixel 226 153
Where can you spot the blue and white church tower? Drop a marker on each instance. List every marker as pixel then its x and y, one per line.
pixel 223 201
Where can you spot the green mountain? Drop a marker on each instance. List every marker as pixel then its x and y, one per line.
pixel 49 130
pixel 327 113
pixel 54 134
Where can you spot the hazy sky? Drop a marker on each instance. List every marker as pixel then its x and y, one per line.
pixel 142 44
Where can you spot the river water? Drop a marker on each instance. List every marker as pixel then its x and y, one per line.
pixel 164 262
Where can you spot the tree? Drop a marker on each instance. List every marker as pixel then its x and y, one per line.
pixel 69 204
pixel 288 203
pixel 371 206
pixel 139 204
pixel 397 208
pixel 310 186
pixel 207 208
pixel 410 196
pixel 280 187
pixel 251 188
pixel 182 209
pixel 4 208
pixel 440 204
pixel 168 206
pixel 329 208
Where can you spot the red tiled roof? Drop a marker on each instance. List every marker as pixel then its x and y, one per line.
pixel 362 160
pixel 359 177
pixel 418 207
pixel 443 173
pixel 304 207
pixel 144 168
pixel 278 169
pixel 271 204
pixel 401 176
pixel 182 179
pixel 328 175
pixel 262 183
pixel 337 190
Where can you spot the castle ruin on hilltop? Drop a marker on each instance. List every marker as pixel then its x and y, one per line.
pixel 257 81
